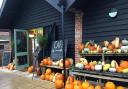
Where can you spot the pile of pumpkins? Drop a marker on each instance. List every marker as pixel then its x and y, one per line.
pixel 11 66
pixel 48 61
pixel 71 83
pixel 115 46
pixel 51 76
pixel 111 66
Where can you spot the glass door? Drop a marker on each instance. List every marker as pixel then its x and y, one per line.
pixel 21 48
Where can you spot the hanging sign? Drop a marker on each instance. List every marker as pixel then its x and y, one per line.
pixel 57 50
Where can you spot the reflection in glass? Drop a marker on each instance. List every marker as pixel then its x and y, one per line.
pixel 21 41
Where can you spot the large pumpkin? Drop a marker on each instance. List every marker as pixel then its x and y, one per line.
pixel 42 77
pixel 59 84
pixel 85 84
pixel 48 71
pixel 30 69
pixel 120 87
pixel 110 85
pixel 124 64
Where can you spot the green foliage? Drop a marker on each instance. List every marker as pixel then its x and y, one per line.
pixel 42 40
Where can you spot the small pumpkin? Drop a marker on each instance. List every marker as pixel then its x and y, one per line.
pixel 67 63
pixel 59 84
pixel 119 69
pixel 48 71
pixel 98 86
pixel 110 85
pixel 47 77
pixel 78 86
pixel 85 84
pixel 30 69
pixel 77 82
pixel 42 77
pixel 69 85
pixel 49 62
pixel 124 64
pixel 110 46
pixel 70 78
pixel 45 61
pixel 91 87
pixel 60 76
pixel 81 47
pixel 120 87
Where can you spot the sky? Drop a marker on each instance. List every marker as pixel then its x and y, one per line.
pixel 1 1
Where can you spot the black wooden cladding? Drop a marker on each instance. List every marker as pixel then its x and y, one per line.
pixel 98 26
pixel 39 13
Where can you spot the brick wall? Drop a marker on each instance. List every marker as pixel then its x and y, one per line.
pixel 78 32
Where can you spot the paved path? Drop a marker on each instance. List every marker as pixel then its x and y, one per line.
pixel 14 81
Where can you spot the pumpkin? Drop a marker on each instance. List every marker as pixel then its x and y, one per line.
pixel 60 76
pixel 119 69
pixel 48 71
pixel 81 47
pixel 85 84
pixel 42 77
pixel 77 82
pixel 51 77
pixel 98 86
pixel 110 85
pixel 67 63
pixel 70 78
pixel 91 87
pixel 124 64
pixel 30 69
pixel 69 85
pixel 88 67
pixel 59 84
pixel 45 61
pixel 49 62
pixel 47 77
pixel 120 87
pixel 12 67
pixel 78 86
pixel 110 46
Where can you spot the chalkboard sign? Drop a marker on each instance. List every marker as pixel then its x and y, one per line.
pixel 6 58
pixel 57 50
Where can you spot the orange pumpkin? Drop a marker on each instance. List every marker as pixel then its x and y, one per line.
pixel 69 85
pixel 48 71
pixel 110 85
pixel 12 67
pixel 98 87
pixel 110 46
pixel 70 78
pixel 85 84
pixel 49 62
pixel 30 69
pixel 78 86
pixel 124 64
pixel 120 87
pixel 81 47
pixel 60 76
pixel 45 61
pixel 67 63
pixel 59 84
pixel 42 77
pixel 91 87
pixel 119 69
pixel 77 82
pixel 47 77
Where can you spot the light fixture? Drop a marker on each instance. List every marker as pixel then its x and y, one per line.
pixel 31 35
pixel 113 12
